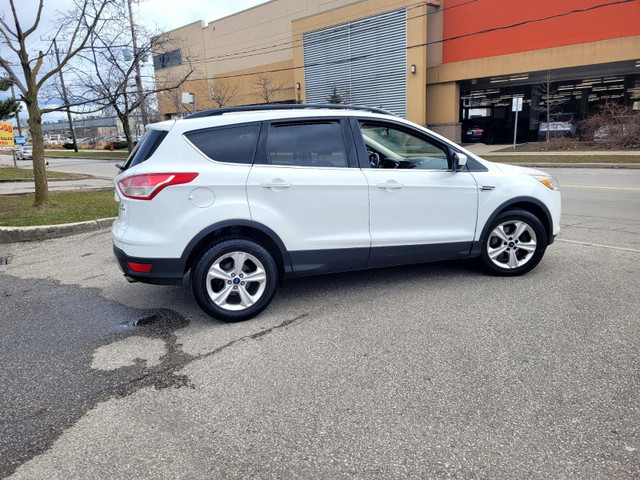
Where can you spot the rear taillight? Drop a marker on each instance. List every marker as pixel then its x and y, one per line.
pixel 147 186
pixel 568 122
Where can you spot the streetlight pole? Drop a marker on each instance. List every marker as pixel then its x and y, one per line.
pixel 66 99
pixel 136 61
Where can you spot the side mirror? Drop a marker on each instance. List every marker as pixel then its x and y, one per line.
pixel 459 161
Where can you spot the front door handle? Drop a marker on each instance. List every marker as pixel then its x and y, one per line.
pixel 276 183
pixel 390 185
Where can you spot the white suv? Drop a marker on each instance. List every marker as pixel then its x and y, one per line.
pixel 245 197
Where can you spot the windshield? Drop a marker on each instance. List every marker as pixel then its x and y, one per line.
pixel 560 117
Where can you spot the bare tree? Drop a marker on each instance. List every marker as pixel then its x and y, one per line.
pixel 613 125
pixel 551 100
pixel 223 92
pixel 268 87
pixel 107 72
pixel 80 23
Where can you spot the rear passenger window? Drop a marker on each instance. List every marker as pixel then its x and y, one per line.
pixel 235 144
pixel 307 145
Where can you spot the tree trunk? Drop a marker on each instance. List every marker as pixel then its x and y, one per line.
pixel 39 167
pixel 124 119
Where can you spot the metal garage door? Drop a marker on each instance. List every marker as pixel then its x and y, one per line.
pixel 366 60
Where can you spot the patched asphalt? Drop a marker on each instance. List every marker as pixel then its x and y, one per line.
pixel 49 334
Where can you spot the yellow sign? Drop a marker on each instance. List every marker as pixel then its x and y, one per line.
pixel 6 134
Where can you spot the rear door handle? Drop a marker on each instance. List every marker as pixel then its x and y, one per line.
pixel 390 185
pixel 276 183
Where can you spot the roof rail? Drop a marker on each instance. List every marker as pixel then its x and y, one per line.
pixel 286 106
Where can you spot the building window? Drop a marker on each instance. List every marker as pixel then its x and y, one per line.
pixel 168 59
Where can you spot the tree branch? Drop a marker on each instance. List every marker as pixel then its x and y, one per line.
pixel 72 52
pixel 5 28
pixel 18 33
pixel 14 77
pixel 35 25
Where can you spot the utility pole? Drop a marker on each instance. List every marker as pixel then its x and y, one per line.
pixel 66 99
pixel 136 60
pixel 13 95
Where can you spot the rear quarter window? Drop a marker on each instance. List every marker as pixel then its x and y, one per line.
pixel 145 147
pixel 235 144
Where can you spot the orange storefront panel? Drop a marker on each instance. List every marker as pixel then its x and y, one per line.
pixel 575 21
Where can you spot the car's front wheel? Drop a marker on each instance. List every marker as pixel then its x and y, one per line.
pixel 234 280
pixel 514 244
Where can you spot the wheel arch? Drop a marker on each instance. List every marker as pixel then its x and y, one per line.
pixel 238 229
pixel 529 204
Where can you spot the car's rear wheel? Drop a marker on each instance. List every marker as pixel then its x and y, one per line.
pixel 514 244
pixel 234 280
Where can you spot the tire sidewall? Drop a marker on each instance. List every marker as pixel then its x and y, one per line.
pixel 541 242
pixel 201 269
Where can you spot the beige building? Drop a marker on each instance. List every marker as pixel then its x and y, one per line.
pixel 439 63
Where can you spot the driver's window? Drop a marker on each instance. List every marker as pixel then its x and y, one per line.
pixel 389 147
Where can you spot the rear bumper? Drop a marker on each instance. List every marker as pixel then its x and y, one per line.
pixel 164 271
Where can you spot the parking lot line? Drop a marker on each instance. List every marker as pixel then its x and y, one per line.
pixel 595 186
pixel 589 244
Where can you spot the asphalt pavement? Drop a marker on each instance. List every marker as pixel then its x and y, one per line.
pixel 428 371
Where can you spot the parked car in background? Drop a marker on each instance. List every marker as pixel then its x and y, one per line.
pixel 611 132
pixel 489 131
pixel 559 125
pixel 25 152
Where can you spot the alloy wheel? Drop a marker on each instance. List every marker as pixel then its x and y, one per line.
pixel 511 244
pixel 236 281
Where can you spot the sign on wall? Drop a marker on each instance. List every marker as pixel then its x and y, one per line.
pixel 6 134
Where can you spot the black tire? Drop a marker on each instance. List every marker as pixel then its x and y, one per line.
pixel 233 312
pixel 515 259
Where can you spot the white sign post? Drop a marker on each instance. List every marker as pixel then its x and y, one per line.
pixel 516 106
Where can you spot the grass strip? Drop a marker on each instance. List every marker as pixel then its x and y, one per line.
pixel 551 158
pixel 97 154
pixel 18 210
pixel 8 174
pixel 559 145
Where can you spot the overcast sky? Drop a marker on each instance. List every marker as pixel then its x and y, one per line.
pixel 167 14
pixel 170 14
pixel 161 14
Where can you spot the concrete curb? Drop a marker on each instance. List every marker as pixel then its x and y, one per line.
pixel 44 232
